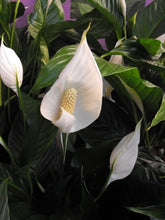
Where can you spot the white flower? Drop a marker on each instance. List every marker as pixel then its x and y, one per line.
pixel 10 66
pixel 74 101
pixel 124 155
pixel 107 90
pixel 117 59
pixel 123 7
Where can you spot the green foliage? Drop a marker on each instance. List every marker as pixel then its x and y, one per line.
pixel 4 209
pixel 34 182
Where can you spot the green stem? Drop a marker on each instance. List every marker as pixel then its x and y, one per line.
pixel 13 26
pixel 8 106
pixel 64 142
pixel 104 186
pixel 21 103
pixel 134 111
pixel 125 30
pixel 146 130
pixel 34 66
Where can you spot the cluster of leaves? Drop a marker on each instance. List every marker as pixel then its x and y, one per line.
pixel 32 175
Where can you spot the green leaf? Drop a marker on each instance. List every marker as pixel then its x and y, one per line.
pixel 132 49
pixel 136 54
pixel 79 7
pixel 134 96
pixel 134 6
pixel 3 144
pixel 44 15
pixel 7 9
pixel 148 93
pixel 106 130
pixel 15 210
pixel 151 45
pixel 157 211
pixel 106 11
pixel 44 51
pixel 4 17
pixel 53 68
pixel 151 20
pixel 160 115
pixel 29 143
pixel 4 209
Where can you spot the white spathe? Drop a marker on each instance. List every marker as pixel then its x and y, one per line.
pixel 124 155
pixel 81 75
pixel 123 7
pixel 10 66
pixel 117 59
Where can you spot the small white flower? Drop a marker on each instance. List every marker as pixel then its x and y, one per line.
pixel 124 155
pixel 123 7
pixel 117 59
pixel 74 101
pixel 10 66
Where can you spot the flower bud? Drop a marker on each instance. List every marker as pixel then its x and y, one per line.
pixel 123 7
pixel 10 67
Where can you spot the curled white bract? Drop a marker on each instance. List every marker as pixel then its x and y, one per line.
pixel 74 100
pixel 10 67
pixel 124 155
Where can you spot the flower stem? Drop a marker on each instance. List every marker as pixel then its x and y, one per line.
pixel 8 106
pixel 13 26
pixel 64 142
pixel 105 184
pixel 146 130
pixel 21 105
pixel 125 29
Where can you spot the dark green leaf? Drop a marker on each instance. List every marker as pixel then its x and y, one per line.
pixel 151 45
pixel 43 16
pixel 134 6
pixel 79 7
pixel 15 212
pixel 107 12
pixel 160 115
pixel 151 20
pixel 7 9
pixel 29 142
pixel 4 209
pixel 157 211
pixel 53 68
pixel 20 12
pixel 106 129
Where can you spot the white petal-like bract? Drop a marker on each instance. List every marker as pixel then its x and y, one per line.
pixel 124 155
pixel 10 66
